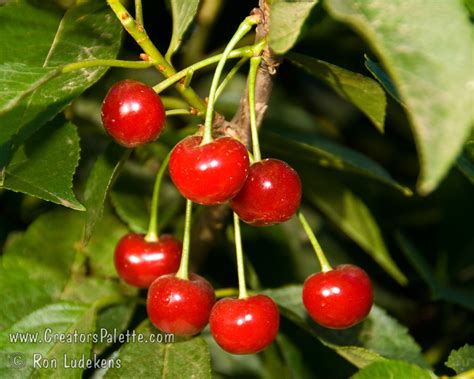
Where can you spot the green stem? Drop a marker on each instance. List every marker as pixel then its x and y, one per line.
pixel 141 37
pixel 254 65
pixel 246 51
pixel 240 258
pixel 251 158
pixel 176 112
pixel 230 75
pixel 153 232
pixel 226 292
pixel 242 30
pixel 183 266
pixel 188 78
pixel 105 62
pixel 139 12
pixel 325 266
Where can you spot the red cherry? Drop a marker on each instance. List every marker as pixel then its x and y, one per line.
pixel 139 262
pixel 271 194
pixel 339 298
pixel 132 113
pixel 245 326
pixel 209 174
pixel 180 306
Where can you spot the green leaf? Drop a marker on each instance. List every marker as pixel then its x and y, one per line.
pixel 382 78
pixel 355 219
pixel 99 183
pixel 419 263
pixel 439 290
pixel 293 357
pixel 26 79
pixel 131 208
pixel 101 246
pixel 43 324
pixel 470 6
pixel 34 270
pixel 113 319
pixel 317 150
pixel 232 365
pixel 461 360
pixel 89 289
pixel 377 338
pixel 42 282
pixel 465 162
pixel 365 93
pixel 393 369
pixel 188 358
pixel 86 31
pixel 44 165
pixel 426 49
pixel 43 265
pixel 286 21
pixel 183 14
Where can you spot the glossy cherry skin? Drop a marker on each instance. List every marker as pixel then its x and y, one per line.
pixel 139 262
pixel 180 306
pixel 339 298
pixel 133 114
pixel 245 326
pixel 209 174
pixel 271 194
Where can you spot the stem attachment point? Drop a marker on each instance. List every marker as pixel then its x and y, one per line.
pixel 242 30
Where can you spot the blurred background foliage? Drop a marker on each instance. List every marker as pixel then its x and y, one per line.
pixel 430 238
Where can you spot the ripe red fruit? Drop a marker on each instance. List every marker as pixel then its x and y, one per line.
pixel 271 194
pixel 132 113
pixel 339 298
pixel 245 326
pixel 180 306
pixel 209 174
pixel 139 262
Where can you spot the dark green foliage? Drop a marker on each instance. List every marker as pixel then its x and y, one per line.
pixel 396 199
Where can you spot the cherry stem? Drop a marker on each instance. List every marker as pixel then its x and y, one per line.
pixel 246 51
pixel 140 36
pixel 139 11
pixel 229 292
pixel 240 258
pixel 226 292
pixel 105 62
pixel 254 65
pixel 183 266
pixel 325 266
pixel 242 30
pixel 153 231
pixel 177 112
pixel 230 75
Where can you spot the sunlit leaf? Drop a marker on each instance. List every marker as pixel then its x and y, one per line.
pixel 425 47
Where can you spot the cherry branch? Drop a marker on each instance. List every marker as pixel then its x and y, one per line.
pixel 213 219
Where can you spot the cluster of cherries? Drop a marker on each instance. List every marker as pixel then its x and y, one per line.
pixel 266 192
